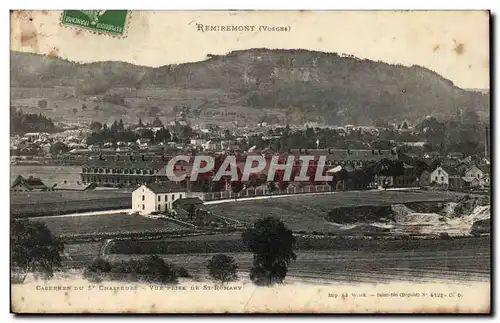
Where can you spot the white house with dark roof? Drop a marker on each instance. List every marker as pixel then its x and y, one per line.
pixel 149 198
pixel 477 176
pixel 439 177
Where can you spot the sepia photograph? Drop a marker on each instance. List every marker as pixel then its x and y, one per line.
pixel 251 162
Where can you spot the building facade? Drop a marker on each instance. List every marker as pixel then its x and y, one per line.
pixel 439 177
pixel 149 198
pixel 31 183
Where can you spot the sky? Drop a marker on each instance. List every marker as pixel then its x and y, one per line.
pixel 454 44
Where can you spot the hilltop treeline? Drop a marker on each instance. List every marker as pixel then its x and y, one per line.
pixel 21 123
pixel 304 85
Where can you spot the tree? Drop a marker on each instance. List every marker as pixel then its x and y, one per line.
pixel 34 249
pixel 157 122
pixel 404 126
pixel 42 104
pixel 163 135
pixel 114 126
pixel 153 111
pixel 222 268
pixel 20 123
pixel 84 107
pixel 75 110
pixel 59 148
pixel 147 134
pixel 121 127
pixel 228 135
pixel 272 244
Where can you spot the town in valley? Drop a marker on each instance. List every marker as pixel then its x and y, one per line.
pixel 408 164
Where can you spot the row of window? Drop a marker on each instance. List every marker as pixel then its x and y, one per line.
pixel 119 171
pixel 127 181
pixel 167 206
pixel 154 171
pixel 165 197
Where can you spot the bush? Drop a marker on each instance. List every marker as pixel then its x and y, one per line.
pixel 182 272
pixel 96 270
pixel 444 236
pixel 99 265
pixel 152 269
pixel 222 268
pixel 33 250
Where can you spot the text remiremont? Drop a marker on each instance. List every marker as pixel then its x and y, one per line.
pixel 240 28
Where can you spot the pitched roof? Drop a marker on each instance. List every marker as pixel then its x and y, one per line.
pixel 484 168
pixel 125 162
pixel 188 201
pixel 449 170
pixel 348 154
pixel 470 179
pixel 452 171
pixel 169 187
pixel 30 183
pixel 72 186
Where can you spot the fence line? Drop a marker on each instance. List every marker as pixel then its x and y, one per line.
pixel 252 192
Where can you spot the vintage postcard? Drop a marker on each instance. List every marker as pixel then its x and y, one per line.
pixel 250 162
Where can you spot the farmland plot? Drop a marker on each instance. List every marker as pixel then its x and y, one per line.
pixel 50 175
pixel 107 224
pixel 468 260
pixel 26 204
pixel 307 213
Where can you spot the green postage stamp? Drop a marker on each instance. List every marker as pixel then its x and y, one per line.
pixel 112 22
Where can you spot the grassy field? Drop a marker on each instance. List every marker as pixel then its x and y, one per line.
pixel 234 243
pixel 460 260
pixel 307 213
pixel 107 224
pixel 62 196
pixel 31 204
pixel 60 202
pixel 50 175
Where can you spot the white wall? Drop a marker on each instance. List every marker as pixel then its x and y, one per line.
pixel 474 172
pixel 439 176
pixel 153 202
pixel 164 200
pixel 143 200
